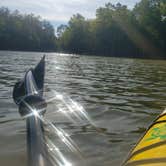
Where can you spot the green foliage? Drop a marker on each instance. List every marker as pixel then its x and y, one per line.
pixel 25 32
pixel 75 37
pixel 118 31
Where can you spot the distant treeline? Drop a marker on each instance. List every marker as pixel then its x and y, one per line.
pixel 25 32
pixel 118 31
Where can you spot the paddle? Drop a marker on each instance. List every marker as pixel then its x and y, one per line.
pixel 28 95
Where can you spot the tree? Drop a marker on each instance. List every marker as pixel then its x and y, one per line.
pixel 25 32
pixel 75 36
pixel 149 15
pixel 118 31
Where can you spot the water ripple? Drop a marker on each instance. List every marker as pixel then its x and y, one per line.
pixel 122 96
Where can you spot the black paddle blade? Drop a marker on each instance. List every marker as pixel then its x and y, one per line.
pixel 38 73
pixel 18 91
pixel 33 78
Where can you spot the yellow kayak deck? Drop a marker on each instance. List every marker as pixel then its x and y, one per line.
pixel 151 149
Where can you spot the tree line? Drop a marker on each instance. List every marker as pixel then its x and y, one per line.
pixel 25 32
pixel 116 31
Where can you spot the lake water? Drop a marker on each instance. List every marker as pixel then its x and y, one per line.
pixel 121 96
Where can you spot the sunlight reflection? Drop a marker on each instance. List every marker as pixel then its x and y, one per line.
pixel 57 154
pixel 63 136
pixel 71 109
pixel 74 112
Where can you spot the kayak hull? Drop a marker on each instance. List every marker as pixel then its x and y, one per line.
pixel 151 149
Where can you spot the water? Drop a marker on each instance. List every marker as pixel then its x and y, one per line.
pixel 122 96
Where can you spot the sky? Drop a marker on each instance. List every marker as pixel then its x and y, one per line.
pixel 59 11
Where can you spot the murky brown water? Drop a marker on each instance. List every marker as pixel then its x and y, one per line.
pixel 122 96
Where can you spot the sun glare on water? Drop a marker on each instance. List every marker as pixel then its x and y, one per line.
pixel 74 112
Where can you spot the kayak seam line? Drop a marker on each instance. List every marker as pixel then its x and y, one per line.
pixel 130 153
pixel 157 122
pixel 146 161
pixel 160 116
pixel 147 148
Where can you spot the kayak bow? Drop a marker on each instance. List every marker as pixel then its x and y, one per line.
pixel 28 95
pixel 151 149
